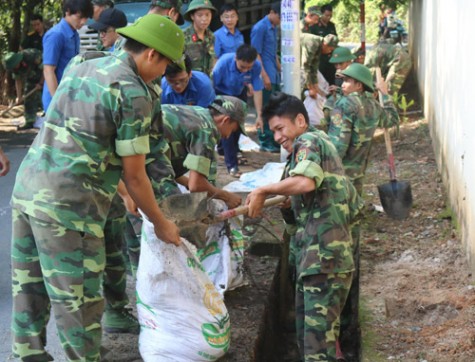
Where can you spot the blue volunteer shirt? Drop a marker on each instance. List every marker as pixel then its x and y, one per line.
pixel 229 80
pixel 264 39
pixel 60 45
pixel 227 42
pixel 199 91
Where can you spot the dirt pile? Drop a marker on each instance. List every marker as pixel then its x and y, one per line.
pixel 417 292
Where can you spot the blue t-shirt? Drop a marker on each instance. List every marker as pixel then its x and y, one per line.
pixel 264 39
pixel 60 45
pixel 227 42
pixel 199 91
pixel 229 80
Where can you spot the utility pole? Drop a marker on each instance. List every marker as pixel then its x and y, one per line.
pixel 290 59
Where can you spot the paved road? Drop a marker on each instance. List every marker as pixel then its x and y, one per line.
pixel 15 145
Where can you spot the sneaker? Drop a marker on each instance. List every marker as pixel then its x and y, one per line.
pixel 120 321
pixel 234 172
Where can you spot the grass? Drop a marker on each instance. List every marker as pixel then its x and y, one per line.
pixel 369 338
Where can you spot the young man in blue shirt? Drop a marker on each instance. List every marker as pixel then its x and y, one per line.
pixel 61 44
pixel 264 38
pixel 227 38
pixel 238 74
pixel 192 88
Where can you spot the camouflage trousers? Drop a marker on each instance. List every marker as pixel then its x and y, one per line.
pixel 319 300
pixel 115 275
pixel 396 78
pixel 32 103
pixel 53 267
pixel 133 226
pixel 350 332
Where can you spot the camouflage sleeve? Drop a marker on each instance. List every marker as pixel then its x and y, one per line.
pixel 389 116
pixel 309 59
pixel 134 128
pixel 307 160
pixel 341 125
pixel 200 146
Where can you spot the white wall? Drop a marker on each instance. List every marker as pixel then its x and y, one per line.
pixel 441 34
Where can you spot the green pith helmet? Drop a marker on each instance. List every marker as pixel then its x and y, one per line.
pixel 11 60
pixel 199 4
pixel 360 73
pixel 341 55
pixel 160 33
pixel 233 107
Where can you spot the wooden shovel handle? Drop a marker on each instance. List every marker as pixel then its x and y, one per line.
pixel 18 103
pixel 241 210
pixel 387 137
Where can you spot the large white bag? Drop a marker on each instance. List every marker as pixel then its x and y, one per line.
pixel 181 314
pixel 223 255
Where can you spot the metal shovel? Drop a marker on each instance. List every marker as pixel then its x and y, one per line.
pixel 395 196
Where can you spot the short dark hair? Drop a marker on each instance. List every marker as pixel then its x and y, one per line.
pixel 275 7
pixel 327 7
pixel 173 69
pixel 133 46
pixel 82 7
pixel 36 17
pixel 247 53
pixel 227 7
pixel 284 105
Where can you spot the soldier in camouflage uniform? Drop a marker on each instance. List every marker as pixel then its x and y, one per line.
pixel 341 58
pixel 311 17
pixel 311 49
pixel 324 202
pixel 191 134
pixel 353 121
pixel 393 59
pixel 199 39
pixel 27 70
pixel 65 185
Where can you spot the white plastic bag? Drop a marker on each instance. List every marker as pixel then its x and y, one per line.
pixel 314 106
pixel 223 255
pixel 181 314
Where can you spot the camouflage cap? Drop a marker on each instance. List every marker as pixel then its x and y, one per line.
pixel 198 4
pixel 331 40
pixel 11 60
pixel 313 10
pixel 233 107
pixel 169 4
pixel 160 33
pixel 341 55
pixel 360 73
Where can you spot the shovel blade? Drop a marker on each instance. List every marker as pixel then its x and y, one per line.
pixel 396 198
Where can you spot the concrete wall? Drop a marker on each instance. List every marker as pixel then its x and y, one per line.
pixel 440 36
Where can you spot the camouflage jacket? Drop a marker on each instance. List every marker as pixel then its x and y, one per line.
pixel 390 58
pixel 201 52
pixel 353 121
pixel 101 112
pixel 31 67
pixel 322 243
pixel 192 136
pixel 310 49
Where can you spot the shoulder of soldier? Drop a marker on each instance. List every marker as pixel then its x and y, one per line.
pixel 348 103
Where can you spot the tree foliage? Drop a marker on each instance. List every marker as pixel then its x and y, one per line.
pixel 15 19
